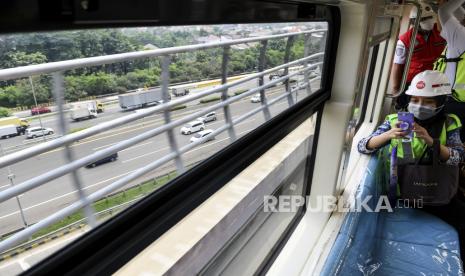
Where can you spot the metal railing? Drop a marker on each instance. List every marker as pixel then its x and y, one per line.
pixel 416 25
pixel 176 153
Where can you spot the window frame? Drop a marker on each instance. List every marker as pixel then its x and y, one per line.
pixel 116 241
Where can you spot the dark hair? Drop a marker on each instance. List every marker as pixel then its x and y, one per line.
pixel 440 100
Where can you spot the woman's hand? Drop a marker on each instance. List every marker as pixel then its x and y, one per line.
pixel 395 133
pixel 422 133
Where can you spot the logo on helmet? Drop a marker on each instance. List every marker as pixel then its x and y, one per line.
pixel 421 84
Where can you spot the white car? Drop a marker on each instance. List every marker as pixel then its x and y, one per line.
pixel 255 98
pixel 295 87
pixel 34 132
pixel 207 117
pixel 202 134
pixel 192 127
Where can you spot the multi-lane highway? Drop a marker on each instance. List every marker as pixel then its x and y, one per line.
pixel 42 201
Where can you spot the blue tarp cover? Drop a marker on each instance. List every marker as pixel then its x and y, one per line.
pixel 404 242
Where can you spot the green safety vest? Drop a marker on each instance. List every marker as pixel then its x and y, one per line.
pixel 440 64
pixel 417 145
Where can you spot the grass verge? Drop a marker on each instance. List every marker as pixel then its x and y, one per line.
pixel 240 92
pixel 178 107
pixel 73 130
pixel 210 99
pixel 111 201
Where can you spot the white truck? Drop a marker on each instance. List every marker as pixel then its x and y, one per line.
pixel 20 123
pixel 8 131
pixel 141 98
pixel 82 111
pixel 95 105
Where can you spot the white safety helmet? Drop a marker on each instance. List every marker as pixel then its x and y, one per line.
pixel 430 83
pixel 426 11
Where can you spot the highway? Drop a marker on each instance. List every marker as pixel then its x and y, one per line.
pixel 112 111
pixel 42 201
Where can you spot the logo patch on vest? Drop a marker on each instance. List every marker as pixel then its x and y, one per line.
pixel 421 85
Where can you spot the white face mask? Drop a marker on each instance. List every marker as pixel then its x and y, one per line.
pixel 423 112
pixel 428 24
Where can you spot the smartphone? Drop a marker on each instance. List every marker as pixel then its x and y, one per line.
pixel 406 122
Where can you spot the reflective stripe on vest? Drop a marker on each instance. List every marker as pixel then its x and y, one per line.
pixel 440 63
pixel 417 145
pixel 459 85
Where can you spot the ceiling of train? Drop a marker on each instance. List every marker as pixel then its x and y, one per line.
pixel 77 14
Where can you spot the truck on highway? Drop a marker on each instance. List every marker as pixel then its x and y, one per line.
pixel 95 105
pixel 141 98
pixel 8 131
pixel 20 123
pixel 82 111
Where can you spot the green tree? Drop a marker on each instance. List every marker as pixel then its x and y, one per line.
pixel 4 112
pixel 19 58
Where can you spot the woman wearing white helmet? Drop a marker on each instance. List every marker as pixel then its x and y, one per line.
pixel 429 91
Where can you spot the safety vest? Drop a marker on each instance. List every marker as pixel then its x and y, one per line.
pixel 424 52
pixel 458 86
pixel 418 146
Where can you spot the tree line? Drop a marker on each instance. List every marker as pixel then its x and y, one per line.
pixel 37 48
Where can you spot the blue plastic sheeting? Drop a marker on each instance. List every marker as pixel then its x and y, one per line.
pixel 405 242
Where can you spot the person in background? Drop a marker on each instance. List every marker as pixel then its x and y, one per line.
pixel 452 17
pixel 428 47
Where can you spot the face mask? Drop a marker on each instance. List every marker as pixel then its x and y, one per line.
pixel 423 112
pixel 427 25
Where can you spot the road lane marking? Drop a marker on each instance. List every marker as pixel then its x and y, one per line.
pixel 1 187
pixel 210 144
pixel 144 125
pixel 65 195
pixel 143 155
pixel 165 148
pixel 136 146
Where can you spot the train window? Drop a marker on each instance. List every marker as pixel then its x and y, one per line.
pixel 121 129
pixel 361 101
pixel 383 46
pixel 366 102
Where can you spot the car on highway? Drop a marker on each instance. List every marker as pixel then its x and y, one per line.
pixel 110 158
pixel 273 77
pixel 207 117
pixel 192 127
pixel 34 132
pixel 255 98
pixel 201 135
pixel 40 110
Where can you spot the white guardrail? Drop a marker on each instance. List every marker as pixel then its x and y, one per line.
pixel 84 201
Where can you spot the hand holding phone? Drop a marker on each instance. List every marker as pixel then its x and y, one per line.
pixel 406 121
